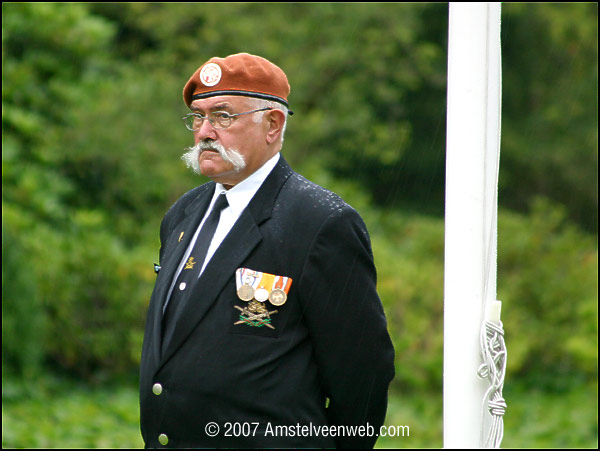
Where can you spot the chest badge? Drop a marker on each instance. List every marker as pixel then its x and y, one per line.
pixel 255 314
pixel 255 288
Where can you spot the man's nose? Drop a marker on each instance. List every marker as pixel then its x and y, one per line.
pixel 206 131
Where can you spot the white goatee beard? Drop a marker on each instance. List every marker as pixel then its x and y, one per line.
pixel 229 155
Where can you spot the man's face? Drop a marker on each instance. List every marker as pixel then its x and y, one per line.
pixel 244 135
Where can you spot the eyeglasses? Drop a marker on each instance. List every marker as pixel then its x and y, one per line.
pixel 218 119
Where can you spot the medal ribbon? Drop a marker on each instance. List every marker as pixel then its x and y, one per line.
pixel 288 284
pixel 238 278
pixel 257 280
pixel 255 275
pixel 283 283
pixel 266 282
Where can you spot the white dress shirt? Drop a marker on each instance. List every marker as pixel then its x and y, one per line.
pixel 238 197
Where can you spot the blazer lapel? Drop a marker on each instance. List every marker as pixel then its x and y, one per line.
pixel 177 243
pixel 235 248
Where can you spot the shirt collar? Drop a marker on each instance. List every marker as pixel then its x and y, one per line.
pixel 241 194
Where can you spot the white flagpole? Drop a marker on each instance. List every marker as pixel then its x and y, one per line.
pixel 473 141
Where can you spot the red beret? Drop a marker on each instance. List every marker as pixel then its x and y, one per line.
pixel 240 74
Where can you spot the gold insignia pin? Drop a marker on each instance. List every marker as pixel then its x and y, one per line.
pixel 180 237
pixel 190 263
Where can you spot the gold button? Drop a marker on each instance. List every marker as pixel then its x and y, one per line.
pixel 157 389
pixel 163 439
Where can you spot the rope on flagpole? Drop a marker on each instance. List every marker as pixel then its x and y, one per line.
pixel 493 350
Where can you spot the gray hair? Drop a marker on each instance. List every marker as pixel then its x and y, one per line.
pixel 261 103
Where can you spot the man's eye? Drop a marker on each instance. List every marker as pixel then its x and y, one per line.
pixel 222 115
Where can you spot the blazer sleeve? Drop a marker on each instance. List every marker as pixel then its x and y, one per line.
pixel 347 325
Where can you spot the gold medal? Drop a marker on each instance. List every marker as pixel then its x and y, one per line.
pixel 277 297
pixel 245 280
pixel 245 292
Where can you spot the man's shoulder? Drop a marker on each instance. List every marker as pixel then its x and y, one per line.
pixel 180 205
pixel 308 194
pixel 315 209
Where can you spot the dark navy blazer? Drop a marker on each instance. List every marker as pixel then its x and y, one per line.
pixel 330 339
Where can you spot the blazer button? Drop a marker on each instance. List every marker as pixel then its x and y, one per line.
pixel 157 389
pixel 163 439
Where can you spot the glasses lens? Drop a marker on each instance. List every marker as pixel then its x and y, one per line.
pixel 197 122
pixel 190 122
pixel 221 120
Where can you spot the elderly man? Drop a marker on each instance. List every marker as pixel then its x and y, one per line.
pixel 264 328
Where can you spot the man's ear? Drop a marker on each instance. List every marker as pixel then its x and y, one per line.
pixel 275 121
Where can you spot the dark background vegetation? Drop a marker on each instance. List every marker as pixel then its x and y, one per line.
pixel 91 140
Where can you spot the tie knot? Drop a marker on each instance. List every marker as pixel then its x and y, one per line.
pixel 221 203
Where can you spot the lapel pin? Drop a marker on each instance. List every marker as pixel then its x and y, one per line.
pixel 190 263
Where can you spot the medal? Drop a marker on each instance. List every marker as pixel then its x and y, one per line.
pixel 245 279
pixel 261 295
pixel 245 292
pixel 264 287
pixel 278 295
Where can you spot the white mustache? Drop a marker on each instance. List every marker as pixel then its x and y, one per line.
pixel 230 155
pixel 211 145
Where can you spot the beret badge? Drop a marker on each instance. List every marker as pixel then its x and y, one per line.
pixel 210 75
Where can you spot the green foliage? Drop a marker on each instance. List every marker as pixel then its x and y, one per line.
pixel 23 320
pixel 409 252
pixel 540 419
pixel 64 414
pixel 548 278
pixel 92 290
pixel 550 107
pixel 48 50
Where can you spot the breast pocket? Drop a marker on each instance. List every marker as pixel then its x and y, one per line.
pixel 261 308
pixel 257 318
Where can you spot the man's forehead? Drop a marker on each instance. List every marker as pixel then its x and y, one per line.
pixel 218 102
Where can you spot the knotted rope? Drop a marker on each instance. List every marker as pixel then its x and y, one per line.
pixel 493 352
